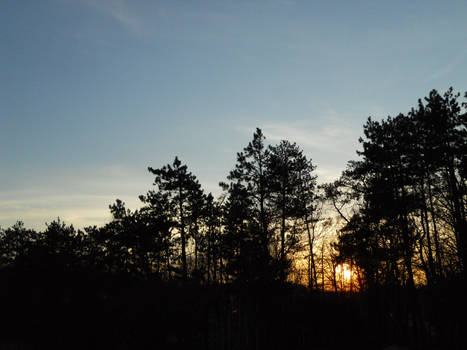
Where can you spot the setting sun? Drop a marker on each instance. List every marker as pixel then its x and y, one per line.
pixel 344 271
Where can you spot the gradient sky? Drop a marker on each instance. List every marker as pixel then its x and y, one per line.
pixel 92 92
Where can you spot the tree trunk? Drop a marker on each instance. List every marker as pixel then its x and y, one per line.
pixel 182 234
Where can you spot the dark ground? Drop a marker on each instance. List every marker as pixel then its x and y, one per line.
pixel 99 311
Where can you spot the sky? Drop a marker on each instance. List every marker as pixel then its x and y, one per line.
pixel 92 92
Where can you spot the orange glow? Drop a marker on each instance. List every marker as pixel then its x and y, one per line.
pixel 344 271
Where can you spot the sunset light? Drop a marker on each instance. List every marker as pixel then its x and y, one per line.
pixel 344 271
pixel 240 174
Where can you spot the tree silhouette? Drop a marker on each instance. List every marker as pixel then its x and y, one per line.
pixel 410 185
pixel 292 193
pixel 182 190
pixel 248 213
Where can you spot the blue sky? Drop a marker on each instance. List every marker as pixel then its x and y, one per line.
pixel 92 92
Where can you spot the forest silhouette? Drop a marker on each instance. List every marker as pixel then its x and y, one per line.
pixel 262 266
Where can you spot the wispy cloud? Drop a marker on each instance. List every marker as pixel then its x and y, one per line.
pixel 78 196
pixel 447 68
pixel 329 141
pixel 78 209
pixel 329 138
pixel 331 133
pixel 120 11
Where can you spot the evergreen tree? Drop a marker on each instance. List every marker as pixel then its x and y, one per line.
pixel 292 186
pixel 248 214
pixel 182 190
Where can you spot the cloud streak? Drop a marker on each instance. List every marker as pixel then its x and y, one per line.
pixel 79 209
pixel 448 68
pixel 119 11
pixel 78 196
pixel 327 138
pixel 330 142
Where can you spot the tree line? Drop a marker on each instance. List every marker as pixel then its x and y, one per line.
pixel 187 270
pixel 397 216
pixel 248 234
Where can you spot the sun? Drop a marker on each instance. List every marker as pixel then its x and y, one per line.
pixel 344 271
